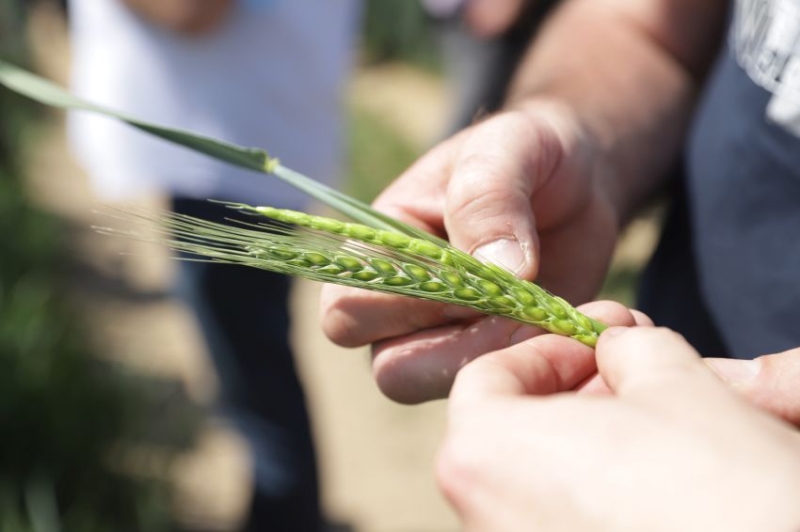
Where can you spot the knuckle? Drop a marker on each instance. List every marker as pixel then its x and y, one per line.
pixel 480 195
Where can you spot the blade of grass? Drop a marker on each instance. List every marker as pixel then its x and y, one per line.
pixel 48 93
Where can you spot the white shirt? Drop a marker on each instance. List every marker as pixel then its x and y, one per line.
pixel 271 76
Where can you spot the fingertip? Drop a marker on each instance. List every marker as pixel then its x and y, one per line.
pixel 337 324
pixel 603 349
pixel 642 319
pixel 622 340
pixel 640 358
pixel 403 379
pixel 737 373
pixel 609 312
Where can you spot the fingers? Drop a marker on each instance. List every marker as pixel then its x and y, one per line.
pixel 352 317
pixel 772 382
pixel 654 365
pixel 422 366
pixel 542 365
pixel 488 207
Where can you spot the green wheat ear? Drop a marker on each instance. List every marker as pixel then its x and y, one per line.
pixel 378 253
pixel 350 254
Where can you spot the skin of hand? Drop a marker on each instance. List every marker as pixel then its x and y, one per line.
pixel 672 447
pixel 594 121
pixel 187 17
pixel 490 18
pixel 770 381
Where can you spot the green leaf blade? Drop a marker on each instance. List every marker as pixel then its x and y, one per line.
pixel 48 93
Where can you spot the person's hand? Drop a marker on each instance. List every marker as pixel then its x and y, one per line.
pixel 522 189
pixel 189 17
pixel 672 449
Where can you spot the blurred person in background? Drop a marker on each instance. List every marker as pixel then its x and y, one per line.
pixel 482 42
pixel 266 73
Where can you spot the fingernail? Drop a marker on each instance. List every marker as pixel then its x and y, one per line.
pixel 736 372
pixel 504 252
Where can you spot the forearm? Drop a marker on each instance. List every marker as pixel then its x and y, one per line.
pixel 630 73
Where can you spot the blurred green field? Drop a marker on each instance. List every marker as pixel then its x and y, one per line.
pixel 377 154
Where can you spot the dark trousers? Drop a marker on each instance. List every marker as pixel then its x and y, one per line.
pixel 244 319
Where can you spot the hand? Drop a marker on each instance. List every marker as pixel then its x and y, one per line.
pixel 523 189
pixel 189 17
pixel 672 449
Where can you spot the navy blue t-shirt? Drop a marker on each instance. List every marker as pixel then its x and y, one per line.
pixel 726 273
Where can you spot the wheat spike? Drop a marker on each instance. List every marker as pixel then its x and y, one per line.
pixel 331 251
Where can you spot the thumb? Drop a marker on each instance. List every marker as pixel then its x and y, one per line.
pixel 488 207
pixel 654 365
pixel 770 381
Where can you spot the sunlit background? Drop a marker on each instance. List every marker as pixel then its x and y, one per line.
pixel 105 388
